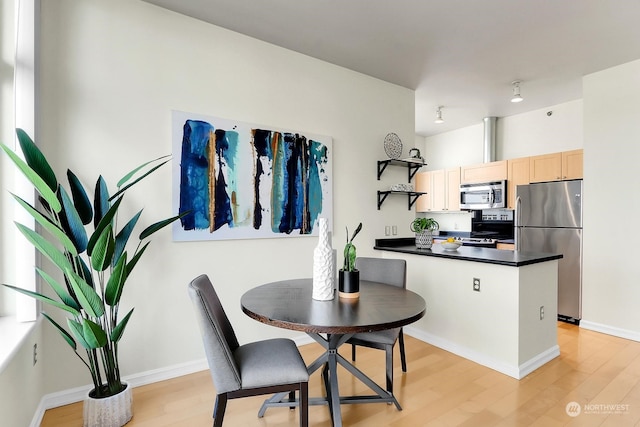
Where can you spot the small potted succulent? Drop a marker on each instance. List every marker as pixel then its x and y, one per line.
pixel 349 276
pixel 424 228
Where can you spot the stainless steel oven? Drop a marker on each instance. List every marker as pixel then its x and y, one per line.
pixel 487 195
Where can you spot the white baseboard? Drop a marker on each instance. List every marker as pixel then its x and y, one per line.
pixel 514 371
pixel 78 394
pixel 610 330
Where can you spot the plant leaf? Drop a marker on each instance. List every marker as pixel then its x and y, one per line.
pixel 149 172
pixel 80 198
pixel 135 259
pixel 86 273
pixel 74 225
pixel 60 290
pixel 93 334
pixel 46 223
pixel 40 185
pixel 44 299
pixel 123 236
pixel 45 247
pixel 159 225
pixel 36 160
pixel 105 222
pixel 100 201
pixel 67 337
pixel 87 297
pixel 103 250
pixel 116 282
pixel 76 330
pixel 128 176
pixel 117 332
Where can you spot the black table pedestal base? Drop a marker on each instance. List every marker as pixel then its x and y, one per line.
pixel 330 360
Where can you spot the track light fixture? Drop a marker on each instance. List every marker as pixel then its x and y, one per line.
pixel 516 92
pixel 439 115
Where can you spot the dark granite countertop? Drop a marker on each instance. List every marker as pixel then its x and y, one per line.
pixel 467 253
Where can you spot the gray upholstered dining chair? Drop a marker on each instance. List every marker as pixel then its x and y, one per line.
pixel 262 367
pixel 391 272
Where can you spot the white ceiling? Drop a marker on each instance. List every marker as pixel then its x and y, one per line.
pixel 461 54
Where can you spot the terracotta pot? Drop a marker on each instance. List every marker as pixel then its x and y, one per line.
pixel 112 411
pixel 349 284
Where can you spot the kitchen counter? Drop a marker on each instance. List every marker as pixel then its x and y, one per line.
pixel 467 253
pixel 495 307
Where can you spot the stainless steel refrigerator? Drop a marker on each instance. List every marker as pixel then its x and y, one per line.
pixel 548 218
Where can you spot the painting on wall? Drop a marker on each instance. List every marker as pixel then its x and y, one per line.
pixel 244 181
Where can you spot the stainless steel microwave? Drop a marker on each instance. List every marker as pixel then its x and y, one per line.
pixel 486 195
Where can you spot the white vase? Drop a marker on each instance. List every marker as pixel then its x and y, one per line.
pixel 323 264
pixel 112 411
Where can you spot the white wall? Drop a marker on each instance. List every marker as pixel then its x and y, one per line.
pixel 611 151
pixel 111 74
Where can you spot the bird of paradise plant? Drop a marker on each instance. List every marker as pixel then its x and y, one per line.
pixel 83 241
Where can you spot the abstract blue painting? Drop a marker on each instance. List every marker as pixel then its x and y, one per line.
pixel 238 180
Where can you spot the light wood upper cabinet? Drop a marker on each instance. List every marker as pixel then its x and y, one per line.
pixel 572 164
pixel 453 189
pixel 556 166
pixel 484 172
pixel 438 194
pixel 443 188
pixel 423 185
pixel 517 174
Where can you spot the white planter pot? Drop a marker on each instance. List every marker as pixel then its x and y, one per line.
pixel 113 411
pixel 424 239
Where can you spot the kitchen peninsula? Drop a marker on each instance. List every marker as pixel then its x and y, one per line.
pixel 495 307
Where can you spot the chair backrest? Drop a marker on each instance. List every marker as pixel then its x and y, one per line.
pixel 383 270
pixel 217 333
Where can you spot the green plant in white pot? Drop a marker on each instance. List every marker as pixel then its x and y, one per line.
pixel 82 240
pixel 424 228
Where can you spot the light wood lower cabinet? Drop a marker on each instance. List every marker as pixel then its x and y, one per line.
pixel 506 246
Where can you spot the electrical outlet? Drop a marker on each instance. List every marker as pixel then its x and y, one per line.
pixel 394 230
pixel 476 284
pixel 541 312
pixel 35 354
pixel 387 230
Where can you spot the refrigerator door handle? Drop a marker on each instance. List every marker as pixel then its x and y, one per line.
pixel 517 223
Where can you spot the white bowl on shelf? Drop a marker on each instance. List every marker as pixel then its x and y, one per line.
pixel 451 246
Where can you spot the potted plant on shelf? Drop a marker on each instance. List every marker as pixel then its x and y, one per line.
pixel 348 276
pixel 84 243
pixel 424 228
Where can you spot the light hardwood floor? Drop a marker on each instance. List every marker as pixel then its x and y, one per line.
pixel 439 389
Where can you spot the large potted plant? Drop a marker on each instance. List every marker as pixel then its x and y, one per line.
pixel 348 276
pixel 83 241
pixel 424 228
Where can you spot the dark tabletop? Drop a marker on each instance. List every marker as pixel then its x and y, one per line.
pixel 288 304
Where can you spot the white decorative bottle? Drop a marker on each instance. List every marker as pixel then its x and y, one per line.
pixel 323 264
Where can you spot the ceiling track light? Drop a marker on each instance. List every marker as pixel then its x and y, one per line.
pixel 516 92
pixel 439 116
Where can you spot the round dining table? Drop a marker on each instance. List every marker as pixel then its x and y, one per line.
pixel 288 304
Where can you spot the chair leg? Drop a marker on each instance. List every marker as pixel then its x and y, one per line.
pixel 353 352
pixel 292 398
pixel 403 358
pixel 389 356
pixel 303 407
pixel 218 412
